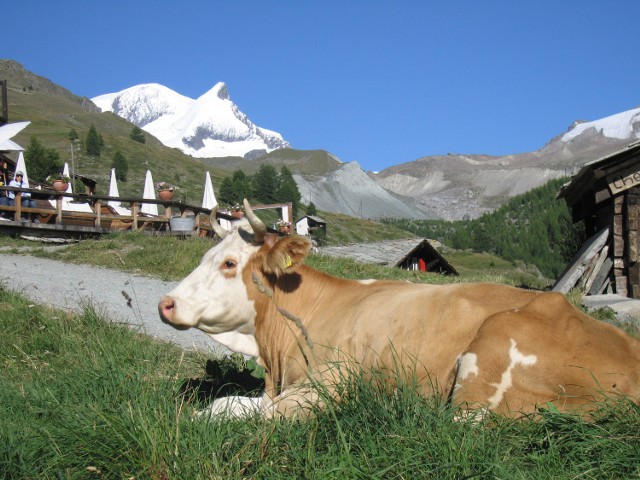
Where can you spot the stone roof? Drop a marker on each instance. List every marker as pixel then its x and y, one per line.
pixel 390 253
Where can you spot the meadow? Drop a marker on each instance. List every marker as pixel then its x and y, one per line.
pixel 81 397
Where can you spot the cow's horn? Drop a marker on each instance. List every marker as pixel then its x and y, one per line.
pixel 221 232
pixel 258 226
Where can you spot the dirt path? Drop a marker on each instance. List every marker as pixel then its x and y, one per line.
pixel 122 297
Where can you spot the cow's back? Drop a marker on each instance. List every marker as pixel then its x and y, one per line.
pixel 387 325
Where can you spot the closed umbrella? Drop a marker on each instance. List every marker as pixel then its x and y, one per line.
pixel 150 194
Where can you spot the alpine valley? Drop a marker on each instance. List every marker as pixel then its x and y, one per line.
pixel 188 136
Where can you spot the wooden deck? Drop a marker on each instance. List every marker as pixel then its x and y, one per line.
pixel 101 219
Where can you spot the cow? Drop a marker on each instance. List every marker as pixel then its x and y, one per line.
pixel 481 347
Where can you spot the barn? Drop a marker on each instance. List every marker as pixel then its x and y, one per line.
pixel 310 224
pixel 605 194
pixel 410 254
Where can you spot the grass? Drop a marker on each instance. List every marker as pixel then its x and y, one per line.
pixel 170 258
pixel 83 398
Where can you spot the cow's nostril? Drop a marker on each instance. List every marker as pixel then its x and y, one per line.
pixel 167 306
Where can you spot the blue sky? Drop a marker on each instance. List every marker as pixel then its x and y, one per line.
pixel 379 82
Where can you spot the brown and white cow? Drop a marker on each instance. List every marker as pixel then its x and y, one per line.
pixel 479 346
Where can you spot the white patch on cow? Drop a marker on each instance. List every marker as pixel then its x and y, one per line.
pixel 238 342
pixel 231 407
pixel 368 281
pixel 517 358
pixel 467 365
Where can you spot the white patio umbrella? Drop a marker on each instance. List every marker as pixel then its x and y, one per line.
pixel 67 202
pixel 7 132
pixel 150 194
pixel 21 167
pixel 113 189
pixel 65 173
pixel 208 198
pixel 113 192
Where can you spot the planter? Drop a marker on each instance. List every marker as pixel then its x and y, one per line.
pixel 165 194
pixel 182 224
pixel 60 186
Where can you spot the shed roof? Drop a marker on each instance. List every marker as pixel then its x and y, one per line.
pixel 314 218
pixel 390 253
pixel 591 172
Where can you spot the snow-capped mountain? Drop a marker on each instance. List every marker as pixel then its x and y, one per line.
pixel 456 186
pixel 210 126
pixel 624 126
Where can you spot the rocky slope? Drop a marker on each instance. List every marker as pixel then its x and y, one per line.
pixel 456 186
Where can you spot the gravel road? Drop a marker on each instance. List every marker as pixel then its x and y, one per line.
pixel 121 297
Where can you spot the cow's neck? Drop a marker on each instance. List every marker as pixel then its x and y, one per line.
pixel 284 307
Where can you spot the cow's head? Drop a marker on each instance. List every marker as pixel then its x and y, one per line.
pixel 214 297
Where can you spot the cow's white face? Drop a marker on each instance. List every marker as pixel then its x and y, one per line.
pixel 213 298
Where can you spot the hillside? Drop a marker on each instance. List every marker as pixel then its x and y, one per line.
pixel 54 111
pixel 534 228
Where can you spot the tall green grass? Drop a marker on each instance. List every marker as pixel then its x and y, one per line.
pixel 82 398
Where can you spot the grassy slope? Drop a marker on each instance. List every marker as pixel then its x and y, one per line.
pixel 83 398
pixel 54 111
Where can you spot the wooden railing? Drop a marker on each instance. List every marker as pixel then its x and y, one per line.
pixel 96 203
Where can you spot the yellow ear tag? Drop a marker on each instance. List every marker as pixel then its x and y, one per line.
pixel 288 261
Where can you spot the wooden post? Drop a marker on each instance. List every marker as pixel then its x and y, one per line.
pixel 58 209
pixel 98 208
pixel 18 200
pixel 134 213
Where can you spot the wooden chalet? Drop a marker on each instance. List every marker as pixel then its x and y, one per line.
pixel 605 194
pixel 309 224
pixel 409 254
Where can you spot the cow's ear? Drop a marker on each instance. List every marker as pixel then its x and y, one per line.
pixel 286 254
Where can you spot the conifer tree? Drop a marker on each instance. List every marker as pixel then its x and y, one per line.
pixel 119 162
pixel 138 135
pixel 41 161
pixel 288 190
pixel 93 142
pixel 265 184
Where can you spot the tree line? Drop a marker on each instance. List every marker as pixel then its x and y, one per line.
pixel 44 162
pixel 267 185
pixel 534 227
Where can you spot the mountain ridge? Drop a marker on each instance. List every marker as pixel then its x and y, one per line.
pixel 209 126
pixel 452 186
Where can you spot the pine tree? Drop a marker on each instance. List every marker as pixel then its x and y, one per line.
pixel 225 193
pixel 241 186
pixel 265 184
pixel 93 142
pixel 288 190
pixel 138 135
pixel 119 162
pixel 41 161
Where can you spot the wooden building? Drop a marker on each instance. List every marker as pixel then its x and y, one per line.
pixel 605 194
pixel 409 254
pixel 309 224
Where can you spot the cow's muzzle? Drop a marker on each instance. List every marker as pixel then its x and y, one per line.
pixel 167 310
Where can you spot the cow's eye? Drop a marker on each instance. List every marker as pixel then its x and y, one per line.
pixel 229 264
